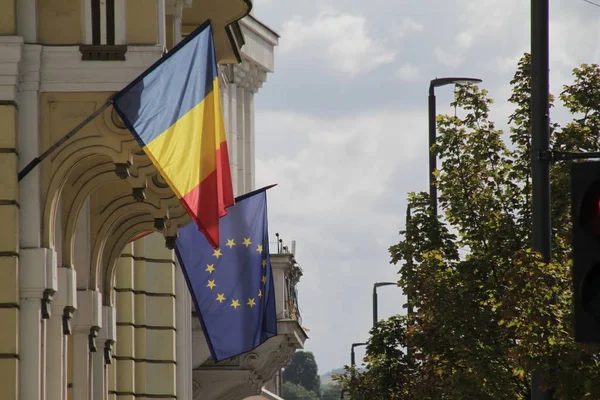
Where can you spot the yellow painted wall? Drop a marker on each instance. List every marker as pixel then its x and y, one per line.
pixel 9 249
pixel 8 16
pixel 141 22
pixel 59 21
pixel 170 31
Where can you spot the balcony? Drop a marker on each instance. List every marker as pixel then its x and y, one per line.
pixel 245 375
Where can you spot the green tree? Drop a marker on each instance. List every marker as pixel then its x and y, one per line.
pixel 487 310
pixel 291 391
pixel 331 392
pixel 302 370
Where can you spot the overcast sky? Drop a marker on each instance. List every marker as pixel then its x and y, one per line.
pixel 341 126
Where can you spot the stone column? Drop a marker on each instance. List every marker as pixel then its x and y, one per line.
pixel 232 128
pixel 241 139
pixel 87 323
pixel 37 282
pixel 160 18
pixel 249 140
pixel 63 305
pixel 103 357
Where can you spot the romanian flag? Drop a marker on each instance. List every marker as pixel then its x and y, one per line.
pixel 174 111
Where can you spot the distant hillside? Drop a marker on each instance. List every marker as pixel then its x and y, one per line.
pixel 326 378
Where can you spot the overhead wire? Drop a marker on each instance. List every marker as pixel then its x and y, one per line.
pixel 592 3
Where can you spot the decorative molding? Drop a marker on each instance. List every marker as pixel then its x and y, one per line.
pixel 29 74
pixel 96 52
pixel 11 51
pixel 246 374
pixel 63 70
pixel 249 75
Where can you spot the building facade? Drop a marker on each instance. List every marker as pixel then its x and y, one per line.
pixel 87 311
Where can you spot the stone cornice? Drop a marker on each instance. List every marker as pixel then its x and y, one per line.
pixel 11 49
pixel 62 69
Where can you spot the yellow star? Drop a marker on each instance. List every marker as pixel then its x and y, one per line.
pixel 235 304
pixel 264 279
pixel 259 248
pixel 210 268
pixel 247 242
pixel 264 263
pixel 217 253
pixel 211 284
pixel 251 303
pixel 260 293
pixel 230 243
pixel 221 297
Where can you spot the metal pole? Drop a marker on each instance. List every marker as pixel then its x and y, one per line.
pixel 352 357
pixel 432 154
pixel 409 272
pixel 540 166
pixel 35 162
pixel 375 319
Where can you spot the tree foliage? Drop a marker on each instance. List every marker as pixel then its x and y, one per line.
pixel 330 392
pixel 487 309
pixel 292 391
pixel 302 370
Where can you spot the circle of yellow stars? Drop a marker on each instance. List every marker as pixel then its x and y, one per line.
pixel 210 268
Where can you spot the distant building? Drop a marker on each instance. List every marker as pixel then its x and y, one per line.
pixel 84 312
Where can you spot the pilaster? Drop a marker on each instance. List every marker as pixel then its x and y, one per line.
pixel 29 146
pixel 37 283
pixel 59 325
pixel 27 20
pixel 160 332
pixel 87 324
pixel 249 140
pixel 140 321
pixel 125 346
pixel 240 142
pixel 102 359
pixel 184 336
pixel 232 127
pixel 174 12
pixel 9 249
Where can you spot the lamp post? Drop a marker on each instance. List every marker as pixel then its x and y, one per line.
pixel 375 286
pixel 432 131
pixel 352 355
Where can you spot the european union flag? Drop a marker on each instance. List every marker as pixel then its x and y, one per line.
pixel 232 285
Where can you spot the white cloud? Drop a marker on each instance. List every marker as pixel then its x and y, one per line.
pixel 341 195
pixel 407 26
pixel 447 58
pixel 408 73
pixel 464 39
pixel 340 40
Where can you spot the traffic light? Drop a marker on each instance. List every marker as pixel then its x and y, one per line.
pixel 585 212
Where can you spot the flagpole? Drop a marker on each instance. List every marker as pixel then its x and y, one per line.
pixel 35 162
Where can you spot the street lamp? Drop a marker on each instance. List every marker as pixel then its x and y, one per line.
pixel 375 286
pixel 352 355
pixel 432 131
